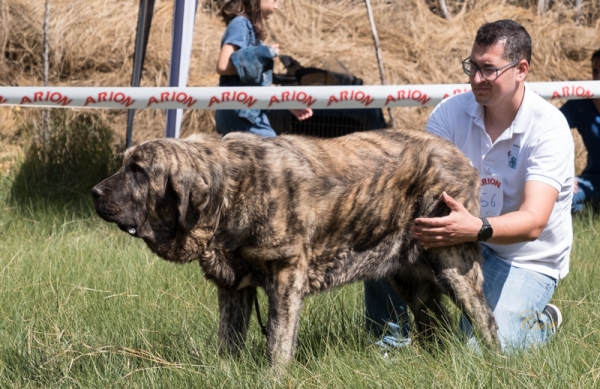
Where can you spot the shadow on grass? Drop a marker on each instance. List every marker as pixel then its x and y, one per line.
pixel 60 174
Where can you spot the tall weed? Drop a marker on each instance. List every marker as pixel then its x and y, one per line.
pixel 61 170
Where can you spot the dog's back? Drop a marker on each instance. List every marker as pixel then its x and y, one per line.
pixel 352 199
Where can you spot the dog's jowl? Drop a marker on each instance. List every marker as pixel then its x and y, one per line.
pixel 297 215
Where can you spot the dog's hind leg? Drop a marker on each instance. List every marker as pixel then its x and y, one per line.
pixel 458 271
pixel 424 298
pixel 235 309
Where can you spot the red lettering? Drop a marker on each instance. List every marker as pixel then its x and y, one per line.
pixel 424 99
pixel 189 101
pixel 37 96
pixel 181 97
pixel 225 96
pixel 128 101
pixel 102 96
pixel 2 99
pixel 89 100
pixel 25 99
pixel 213 100
pixel 64 100
pixel 152 100
pixel 555 95
pixel 389 98
pixel 55 97
pixel 311 101
pixel 250 102
pixel 344 95
pixel 332 100
pixel 119 97
pixel 274 100
pixel 164 96
pixel 285 96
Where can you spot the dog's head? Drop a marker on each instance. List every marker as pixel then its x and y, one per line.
pixel 167 192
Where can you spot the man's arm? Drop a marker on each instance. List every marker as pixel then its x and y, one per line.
pixel 460 226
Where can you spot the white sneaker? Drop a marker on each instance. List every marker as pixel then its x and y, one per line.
pixel 554 314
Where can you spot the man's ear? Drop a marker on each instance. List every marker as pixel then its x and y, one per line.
pixel 522 69
pixel 192 197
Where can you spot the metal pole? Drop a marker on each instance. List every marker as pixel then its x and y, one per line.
pixel 141 41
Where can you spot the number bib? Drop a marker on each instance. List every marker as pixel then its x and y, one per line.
pixel 492 197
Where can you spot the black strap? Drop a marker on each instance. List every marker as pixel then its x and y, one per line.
pixel 260 322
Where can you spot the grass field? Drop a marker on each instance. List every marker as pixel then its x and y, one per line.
pixel 86 306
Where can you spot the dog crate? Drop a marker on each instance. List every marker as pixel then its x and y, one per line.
pixel 325 123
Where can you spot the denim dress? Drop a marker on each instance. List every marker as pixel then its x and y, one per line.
pixel 254 64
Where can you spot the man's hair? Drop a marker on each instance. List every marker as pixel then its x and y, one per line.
pixel 516 39
pixel 248 8
pixel 595 55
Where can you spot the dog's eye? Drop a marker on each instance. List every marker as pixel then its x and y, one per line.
pixel 134 168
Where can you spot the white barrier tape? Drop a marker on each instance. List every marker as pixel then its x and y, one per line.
pixel 316 97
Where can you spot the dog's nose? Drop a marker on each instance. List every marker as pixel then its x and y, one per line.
pixel 96 193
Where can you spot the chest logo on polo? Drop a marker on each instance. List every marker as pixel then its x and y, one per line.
pixel 513 156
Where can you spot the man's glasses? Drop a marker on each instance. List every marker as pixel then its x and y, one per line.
pixel 489 74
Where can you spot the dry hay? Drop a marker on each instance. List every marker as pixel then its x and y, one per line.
pixel 92 44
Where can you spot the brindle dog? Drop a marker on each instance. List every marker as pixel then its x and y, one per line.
pixel 297 215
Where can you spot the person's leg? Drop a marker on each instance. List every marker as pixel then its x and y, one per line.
pixel 262 127
pixel 518 298
pixel 592 189
pixel 386 314
pixel 585 192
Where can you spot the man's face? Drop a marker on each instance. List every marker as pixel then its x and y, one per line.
pixel 596 69
pixel 492 91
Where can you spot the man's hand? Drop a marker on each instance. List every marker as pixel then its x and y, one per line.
pixel 458 227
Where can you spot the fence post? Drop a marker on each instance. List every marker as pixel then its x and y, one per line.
pixel 46 111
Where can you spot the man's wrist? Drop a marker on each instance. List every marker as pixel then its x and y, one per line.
pixel 486 231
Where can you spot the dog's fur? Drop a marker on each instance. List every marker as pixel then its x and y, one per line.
pixel 297 215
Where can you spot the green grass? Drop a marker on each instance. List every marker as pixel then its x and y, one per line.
pixel 86 306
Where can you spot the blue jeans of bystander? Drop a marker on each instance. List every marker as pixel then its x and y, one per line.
pixel 588 191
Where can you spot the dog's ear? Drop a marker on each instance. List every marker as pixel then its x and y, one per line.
pixel 192 194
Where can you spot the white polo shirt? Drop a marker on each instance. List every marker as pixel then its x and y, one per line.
pixel 538 146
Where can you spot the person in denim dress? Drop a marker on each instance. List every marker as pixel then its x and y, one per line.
pixel 245 61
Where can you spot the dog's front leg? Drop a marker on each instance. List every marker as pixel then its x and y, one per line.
pixel 235 308
pixel 285 303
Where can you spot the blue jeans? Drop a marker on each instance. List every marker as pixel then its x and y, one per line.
pixel 229 121
pixel 588 192
pixel 516 296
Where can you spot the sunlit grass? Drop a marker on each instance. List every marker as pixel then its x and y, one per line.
pixel 85 305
